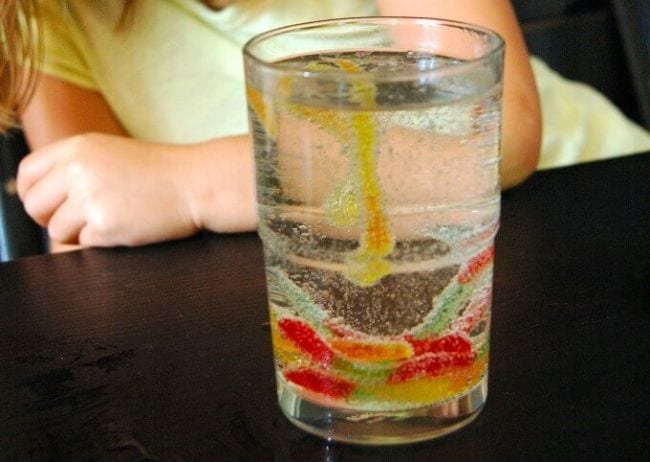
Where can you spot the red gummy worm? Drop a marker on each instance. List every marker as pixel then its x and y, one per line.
pixel 453 343
pixel 304 337
pixel 320 382
pixel 476 264
pixel 431 365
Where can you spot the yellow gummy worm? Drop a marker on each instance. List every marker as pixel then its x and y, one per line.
pixel 367 264
pixel 259 104
pixel 341 204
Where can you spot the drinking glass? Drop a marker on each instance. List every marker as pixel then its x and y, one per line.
pixel 377 147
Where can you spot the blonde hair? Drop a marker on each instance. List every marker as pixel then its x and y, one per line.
pixel 20 53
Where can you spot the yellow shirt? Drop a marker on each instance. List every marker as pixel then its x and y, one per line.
pixel 175 74
pixel 580 124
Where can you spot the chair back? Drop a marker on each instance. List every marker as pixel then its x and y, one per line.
pixel 604 43
pixel 20 236
pixel 633 20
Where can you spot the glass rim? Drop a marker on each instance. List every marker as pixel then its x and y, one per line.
pixel 456 66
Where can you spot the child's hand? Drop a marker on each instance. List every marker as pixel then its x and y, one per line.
pixel 104 190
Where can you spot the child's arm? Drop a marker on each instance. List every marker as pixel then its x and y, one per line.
pixel 89 184
pixel 521 113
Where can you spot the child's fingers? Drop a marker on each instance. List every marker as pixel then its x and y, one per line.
pixel 36 165
pixel 45 195
pixel 66 223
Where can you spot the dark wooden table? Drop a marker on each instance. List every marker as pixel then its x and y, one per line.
pixel 163 352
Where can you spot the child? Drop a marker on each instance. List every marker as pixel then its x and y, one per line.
pixel 137 119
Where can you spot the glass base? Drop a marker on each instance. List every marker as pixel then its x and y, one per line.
pixel 383 427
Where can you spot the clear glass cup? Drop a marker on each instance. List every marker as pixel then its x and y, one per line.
pixel 377 147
